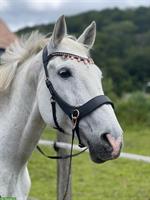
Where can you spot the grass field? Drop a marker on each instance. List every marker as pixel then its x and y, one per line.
pixel 119 179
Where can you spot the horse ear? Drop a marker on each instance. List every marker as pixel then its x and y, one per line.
pixel 60 30
pixel 88 36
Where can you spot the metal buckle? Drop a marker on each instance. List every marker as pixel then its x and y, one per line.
pixel 74 117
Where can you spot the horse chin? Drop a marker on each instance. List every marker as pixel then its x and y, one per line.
pixel 99 157
pixel 97 160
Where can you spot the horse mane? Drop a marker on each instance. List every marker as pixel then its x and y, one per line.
pixel 21 50
pixel 17 53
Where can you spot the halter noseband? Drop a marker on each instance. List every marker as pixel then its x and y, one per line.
pixel 75 113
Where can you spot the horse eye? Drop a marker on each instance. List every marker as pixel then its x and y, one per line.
pixel 64 73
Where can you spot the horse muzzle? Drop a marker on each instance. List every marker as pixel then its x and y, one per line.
pixel 108 148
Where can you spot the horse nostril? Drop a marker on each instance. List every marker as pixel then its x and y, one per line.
pixel 114 143
pixel 106 143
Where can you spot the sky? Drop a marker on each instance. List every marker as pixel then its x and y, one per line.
pixel 21 13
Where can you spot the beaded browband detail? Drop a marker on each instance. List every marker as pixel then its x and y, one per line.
pixel 66 56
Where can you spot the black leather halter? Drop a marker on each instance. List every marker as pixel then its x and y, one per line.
pixel 75 113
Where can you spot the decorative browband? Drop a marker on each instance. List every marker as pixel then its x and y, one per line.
pixel 66 56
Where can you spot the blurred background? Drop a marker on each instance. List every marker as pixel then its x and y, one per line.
pixel 122 51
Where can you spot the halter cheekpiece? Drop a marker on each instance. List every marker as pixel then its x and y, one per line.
pixel 75 113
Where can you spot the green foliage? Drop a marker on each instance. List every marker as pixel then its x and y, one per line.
pixel 134 109
pixel 122 45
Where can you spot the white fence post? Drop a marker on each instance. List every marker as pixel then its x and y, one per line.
pixel 62 170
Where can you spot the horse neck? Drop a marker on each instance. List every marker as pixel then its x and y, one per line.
pixel 21 125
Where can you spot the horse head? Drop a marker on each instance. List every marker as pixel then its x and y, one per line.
pixel 76 80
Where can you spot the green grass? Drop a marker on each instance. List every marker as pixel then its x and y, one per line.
pixel 119 179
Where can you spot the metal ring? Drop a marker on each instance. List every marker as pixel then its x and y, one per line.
pixel 75 114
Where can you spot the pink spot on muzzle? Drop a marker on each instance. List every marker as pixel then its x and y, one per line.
pixel 116 144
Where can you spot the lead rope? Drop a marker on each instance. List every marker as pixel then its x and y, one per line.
pixel 74 117
pixel 70 165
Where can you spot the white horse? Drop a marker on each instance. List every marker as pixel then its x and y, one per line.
pixel 25 103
